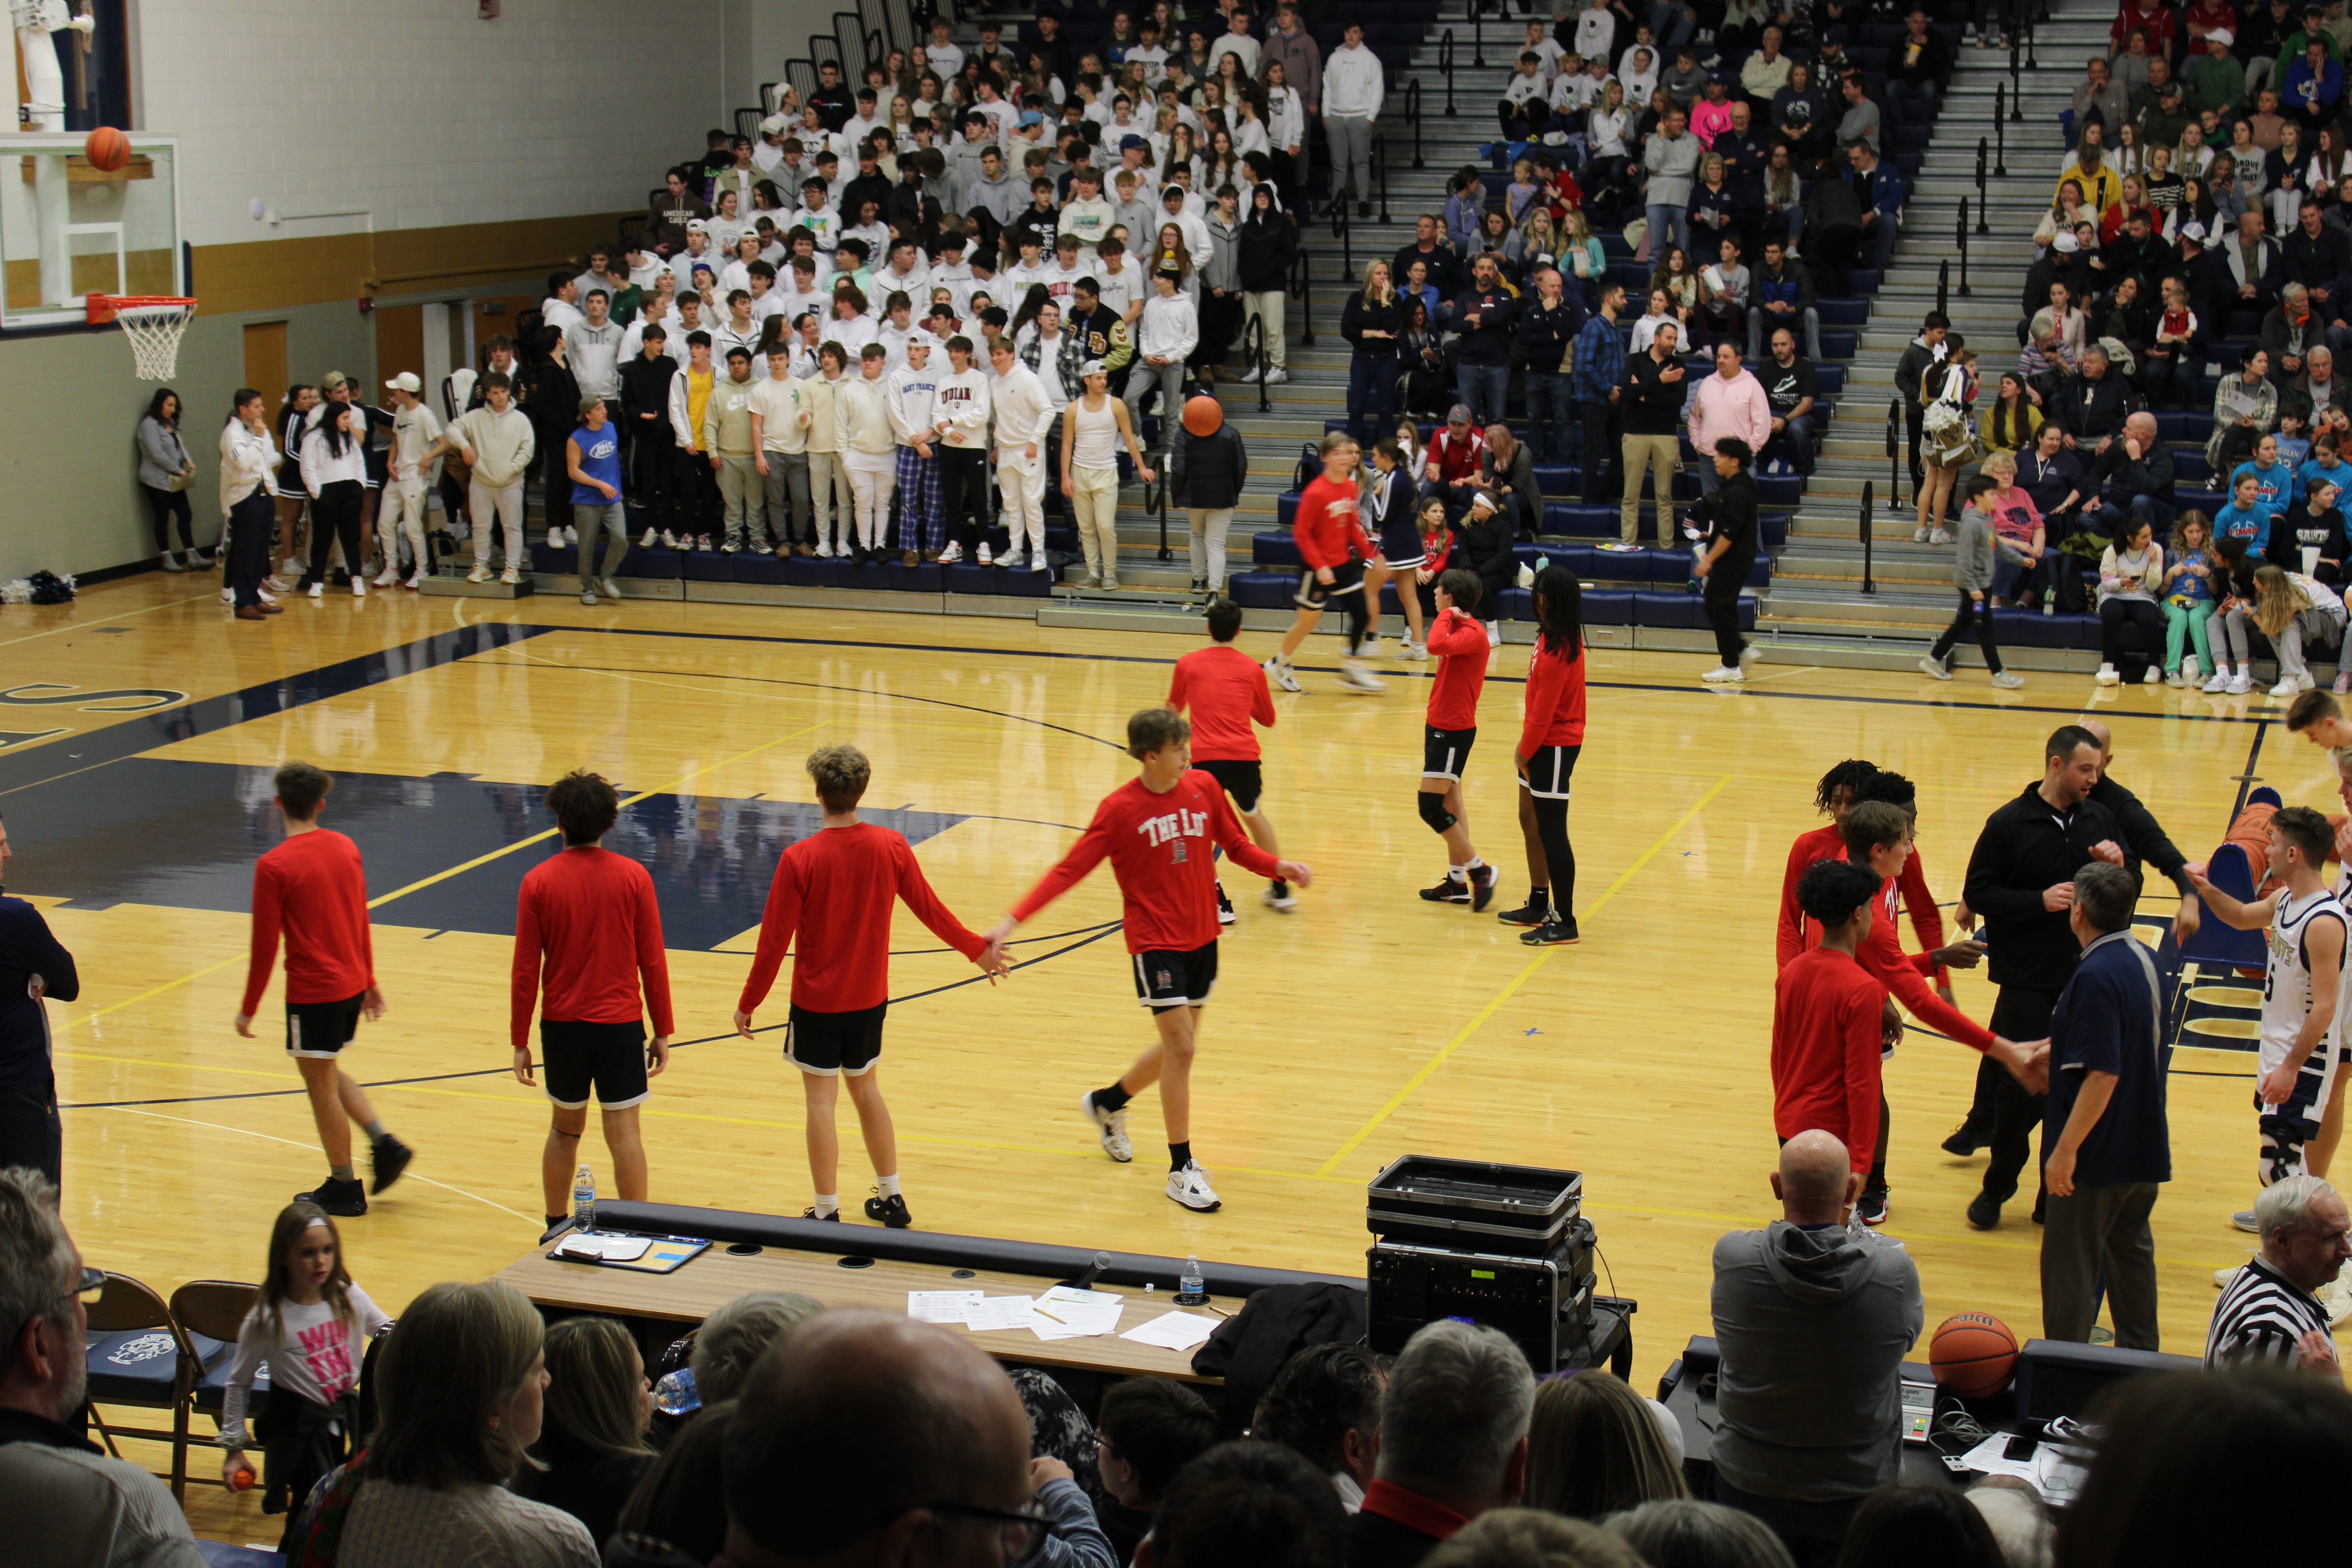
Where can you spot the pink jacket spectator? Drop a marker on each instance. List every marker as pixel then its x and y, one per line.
pixel 1734 408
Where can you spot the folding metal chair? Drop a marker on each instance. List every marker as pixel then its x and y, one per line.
pixel 137 1357
pixel 209 1313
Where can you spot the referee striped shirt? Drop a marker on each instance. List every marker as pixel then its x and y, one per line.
pixel 2261 1315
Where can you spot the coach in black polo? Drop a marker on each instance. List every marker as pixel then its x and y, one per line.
pixel 2022 881
pixel 2106 1148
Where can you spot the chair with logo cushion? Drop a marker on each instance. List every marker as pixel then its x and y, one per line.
pixel 139 1357
pixel 209 1313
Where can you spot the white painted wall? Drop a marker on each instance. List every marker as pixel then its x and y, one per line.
pixel 420 115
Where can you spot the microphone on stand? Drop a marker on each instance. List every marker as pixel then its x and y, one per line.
pixel 1092 1272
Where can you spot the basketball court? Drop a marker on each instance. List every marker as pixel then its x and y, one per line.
pixel 141 730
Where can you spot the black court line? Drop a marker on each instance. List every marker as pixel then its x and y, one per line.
pixel 2246 782
pixel 147 731
pixel 1751 689
pixel 1095 934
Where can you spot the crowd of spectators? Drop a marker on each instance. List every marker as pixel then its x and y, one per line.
pixel 470 1432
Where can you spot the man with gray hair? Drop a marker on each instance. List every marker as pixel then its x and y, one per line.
pixel 61 1499
pixel 732 1339
pixel 2270 1311
pixel 1813 1324
pixel 2104 1128
pixel 1454 1442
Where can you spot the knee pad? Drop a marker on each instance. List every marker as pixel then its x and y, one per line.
pixel 1433 812
pixel 2281 1151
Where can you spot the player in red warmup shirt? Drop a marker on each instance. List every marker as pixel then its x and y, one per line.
pixel 588 934
pixel 1827 1044
pixel 313 889
pixel 1225 692
pixel 1157 830
pixel 1459 644
pixel 1551 737
pixel 1330 532
pixel 831 901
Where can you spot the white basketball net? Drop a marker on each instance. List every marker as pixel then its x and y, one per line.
pixel 154 333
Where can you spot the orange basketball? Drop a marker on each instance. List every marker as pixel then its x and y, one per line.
pixel 1973 1354
pixel 1202 415
pixel 107 149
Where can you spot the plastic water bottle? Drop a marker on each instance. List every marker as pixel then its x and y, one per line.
pixel 584 1200
pixel 1189 1284
pixel 676 1393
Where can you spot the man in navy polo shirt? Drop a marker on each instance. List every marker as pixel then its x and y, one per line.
pixel 2104 1137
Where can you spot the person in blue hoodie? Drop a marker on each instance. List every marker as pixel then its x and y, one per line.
pixel 2246 517
pixel 2325 463
pixel 2274 485
pixel 33 965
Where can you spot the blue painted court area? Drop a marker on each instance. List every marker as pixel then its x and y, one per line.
pixel 185 834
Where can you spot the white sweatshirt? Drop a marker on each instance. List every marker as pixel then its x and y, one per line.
pixel 593 354
pixel 780 404
pixel 248 462
pixel 1023 414
pixel 500 445
pixel 825 414
pixel 914 395
pixel 322 466
pixel 414 431
pixel 863 406
pixel 963 407
pixel 313 1356
pixel 1353 83
pixel 1171 328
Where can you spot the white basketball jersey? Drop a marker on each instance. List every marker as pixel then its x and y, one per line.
pixel 2286 979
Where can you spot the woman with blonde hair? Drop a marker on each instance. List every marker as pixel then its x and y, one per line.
pixel 2187 598
pixel 1372 321
pixel 600 1405
pixel 1596 1447
pixel 2017 522
pixel 2291 609
pixel 460 1389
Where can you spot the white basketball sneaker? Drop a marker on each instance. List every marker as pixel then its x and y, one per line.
pixel 1110 1126
pixel 1190 1186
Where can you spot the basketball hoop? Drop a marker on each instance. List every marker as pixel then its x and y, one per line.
pixel 153 322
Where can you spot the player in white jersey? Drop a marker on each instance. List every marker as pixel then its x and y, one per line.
pixel 2304 1001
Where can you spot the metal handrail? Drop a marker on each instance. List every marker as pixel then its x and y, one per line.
pixel 1380 171
pixel 1983 151
pixel 1893 454
pixel 1344 232
pixel 1868 497
pixel 1413 116
pixel 1943 287
pixel 1961 236
pixel 1253 331
pixel 2000 130
pixel 1297 290
pixel 1445 68
pixel 1165 483
pixel 1478 34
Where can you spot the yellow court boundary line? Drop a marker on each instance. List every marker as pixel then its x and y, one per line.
pixel 1428 1069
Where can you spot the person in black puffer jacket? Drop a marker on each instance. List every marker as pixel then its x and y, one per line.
pixel 1485 541
pixel 1205 476
pixel 1269 239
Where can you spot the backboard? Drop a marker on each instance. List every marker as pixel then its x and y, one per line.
pixel 69 230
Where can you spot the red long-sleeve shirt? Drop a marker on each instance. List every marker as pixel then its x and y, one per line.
pixel 1158 846
pixel 1460 644
pixel 1905 976
pixel 1327 524
pixel 1225 688
pixel 834 894
pixel 313 889
pixel 1555 700
pixel 587 933
pixel 1825 1050
pixel 1826 843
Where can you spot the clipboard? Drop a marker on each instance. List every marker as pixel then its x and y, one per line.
pixel 665 1255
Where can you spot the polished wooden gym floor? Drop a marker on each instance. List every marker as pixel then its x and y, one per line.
pixel 141 724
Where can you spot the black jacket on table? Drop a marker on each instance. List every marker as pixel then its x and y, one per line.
pixel 1360 315
pixel 2125 476
pixel 2026 848
pixel 1486 549
pixel 1652 406
pixel 1206 471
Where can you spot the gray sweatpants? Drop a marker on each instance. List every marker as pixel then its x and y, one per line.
pixel 745 500
pixel 788 497
pixel 586 522
pixel 2100 1231
pixel 1351 154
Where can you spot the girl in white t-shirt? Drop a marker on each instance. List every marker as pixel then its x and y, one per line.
pixel 310 1326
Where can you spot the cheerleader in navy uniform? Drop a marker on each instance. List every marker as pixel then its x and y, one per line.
pixel 1389 519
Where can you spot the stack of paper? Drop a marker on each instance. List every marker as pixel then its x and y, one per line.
pixel 997 1313
pixel 1173 1330
pixel 941 1306
pixel 609 1246
pixel 1066 1313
